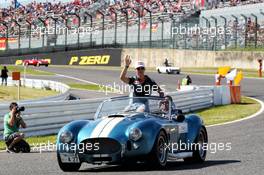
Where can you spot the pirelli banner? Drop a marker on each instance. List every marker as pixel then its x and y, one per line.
pixel 89 57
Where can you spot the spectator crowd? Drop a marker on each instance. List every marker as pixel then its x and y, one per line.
pixel 31 12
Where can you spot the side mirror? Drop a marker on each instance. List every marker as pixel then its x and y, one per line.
pixel 179 116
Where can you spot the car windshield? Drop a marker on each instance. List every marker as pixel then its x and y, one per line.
pixel 120 105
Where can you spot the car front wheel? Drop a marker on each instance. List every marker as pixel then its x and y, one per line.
pixel 159 153
pixel 68 167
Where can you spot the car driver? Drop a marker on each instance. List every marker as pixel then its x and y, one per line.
pixel 164 105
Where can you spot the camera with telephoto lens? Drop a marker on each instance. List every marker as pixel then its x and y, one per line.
pixel 20 109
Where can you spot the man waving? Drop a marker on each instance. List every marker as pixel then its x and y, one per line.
pixel 141 84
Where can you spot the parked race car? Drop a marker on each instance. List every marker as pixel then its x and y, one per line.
pixel 168 69
pixel 132 129
pixel 36 62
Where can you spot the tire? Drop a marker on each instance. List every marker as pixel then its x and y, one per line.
pixel 68 167
pixel 199 154
pixel 178 72
pixel 159 71
pixel 167 72
pixel 46 65
pixel 159 153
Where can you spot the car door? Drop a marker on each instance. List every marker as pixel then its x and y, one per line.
pixel 178 135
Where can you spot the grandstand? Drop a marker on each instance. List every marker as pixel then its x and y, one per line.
pixel 45 26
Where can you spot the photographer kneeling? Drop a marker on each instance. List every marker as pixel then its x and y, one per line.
pixel 12 122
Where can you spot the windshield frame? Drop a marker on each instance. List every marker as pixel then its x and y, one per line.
pixel 99 109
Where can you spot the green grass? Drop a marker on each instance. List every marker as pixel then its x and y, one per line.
pixel 92 87
pixel 215 115
pixel 29 71
pixel 226 113
pixel 10 93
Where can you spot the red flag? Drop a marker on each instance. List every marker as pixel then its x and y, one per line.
pixel 75 21
pixel 77 2
pixel 197 4
pixel 46 22
pixel 202 3
pixel 2 43
pixel 143 25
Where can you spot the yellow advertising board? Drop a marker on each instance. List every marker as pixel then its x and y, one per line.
pixel 238 78
pixel 223 70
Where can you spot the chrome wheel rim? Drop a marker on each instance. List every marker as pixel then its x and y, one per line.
pixel 161 150
pixel 201 142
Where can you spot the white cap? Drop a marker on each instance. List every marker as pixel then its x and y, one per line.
pixel 139 64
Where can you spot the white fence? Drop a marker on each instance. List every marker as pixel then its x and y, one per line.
pixel 47 118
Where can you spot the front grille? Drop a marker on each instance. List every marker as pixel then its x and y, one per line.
pixel 100 146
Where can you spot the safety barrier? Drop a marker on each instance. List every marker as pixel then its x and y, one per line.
pixel 47 118
pixel 63 89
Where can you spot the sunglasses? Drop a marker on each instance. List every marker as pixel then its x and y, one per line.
pixel 140 68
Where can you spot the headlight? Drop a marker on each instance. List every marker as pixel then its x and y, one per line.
pixel 135 134
pixel 66 136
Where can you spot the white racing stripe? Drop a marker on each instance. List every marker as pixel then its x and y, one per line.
pixel 110 126
pixel 99 127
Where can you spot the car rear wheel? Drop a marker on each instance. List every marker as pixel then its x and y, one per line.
pixel 68 167
pixel 159 153
pixel 159 71
pixel 199 150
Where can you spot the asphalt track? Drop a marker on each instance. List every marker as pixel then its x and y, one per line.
pixel 246 138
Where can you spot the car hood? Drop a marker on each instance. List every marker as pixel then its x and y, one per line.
pixel 116 127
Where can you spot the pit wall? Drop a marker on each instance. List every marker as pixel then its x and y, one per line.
pixel 191 58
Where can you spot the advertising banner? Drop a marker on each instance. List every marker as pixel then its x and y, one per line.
pixel 89 57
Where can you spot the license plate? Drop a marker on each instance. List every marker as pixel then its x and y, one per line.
pixel 69 158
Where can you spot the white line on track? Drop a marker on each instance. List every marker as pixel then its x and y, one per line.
pixel 78 79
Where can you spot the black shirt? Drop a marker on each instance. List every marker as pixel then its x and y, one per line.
pixel 4 73
pixel 144 89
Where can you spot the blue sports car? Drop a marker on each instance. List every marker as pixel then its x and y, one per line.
pixel 147 129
